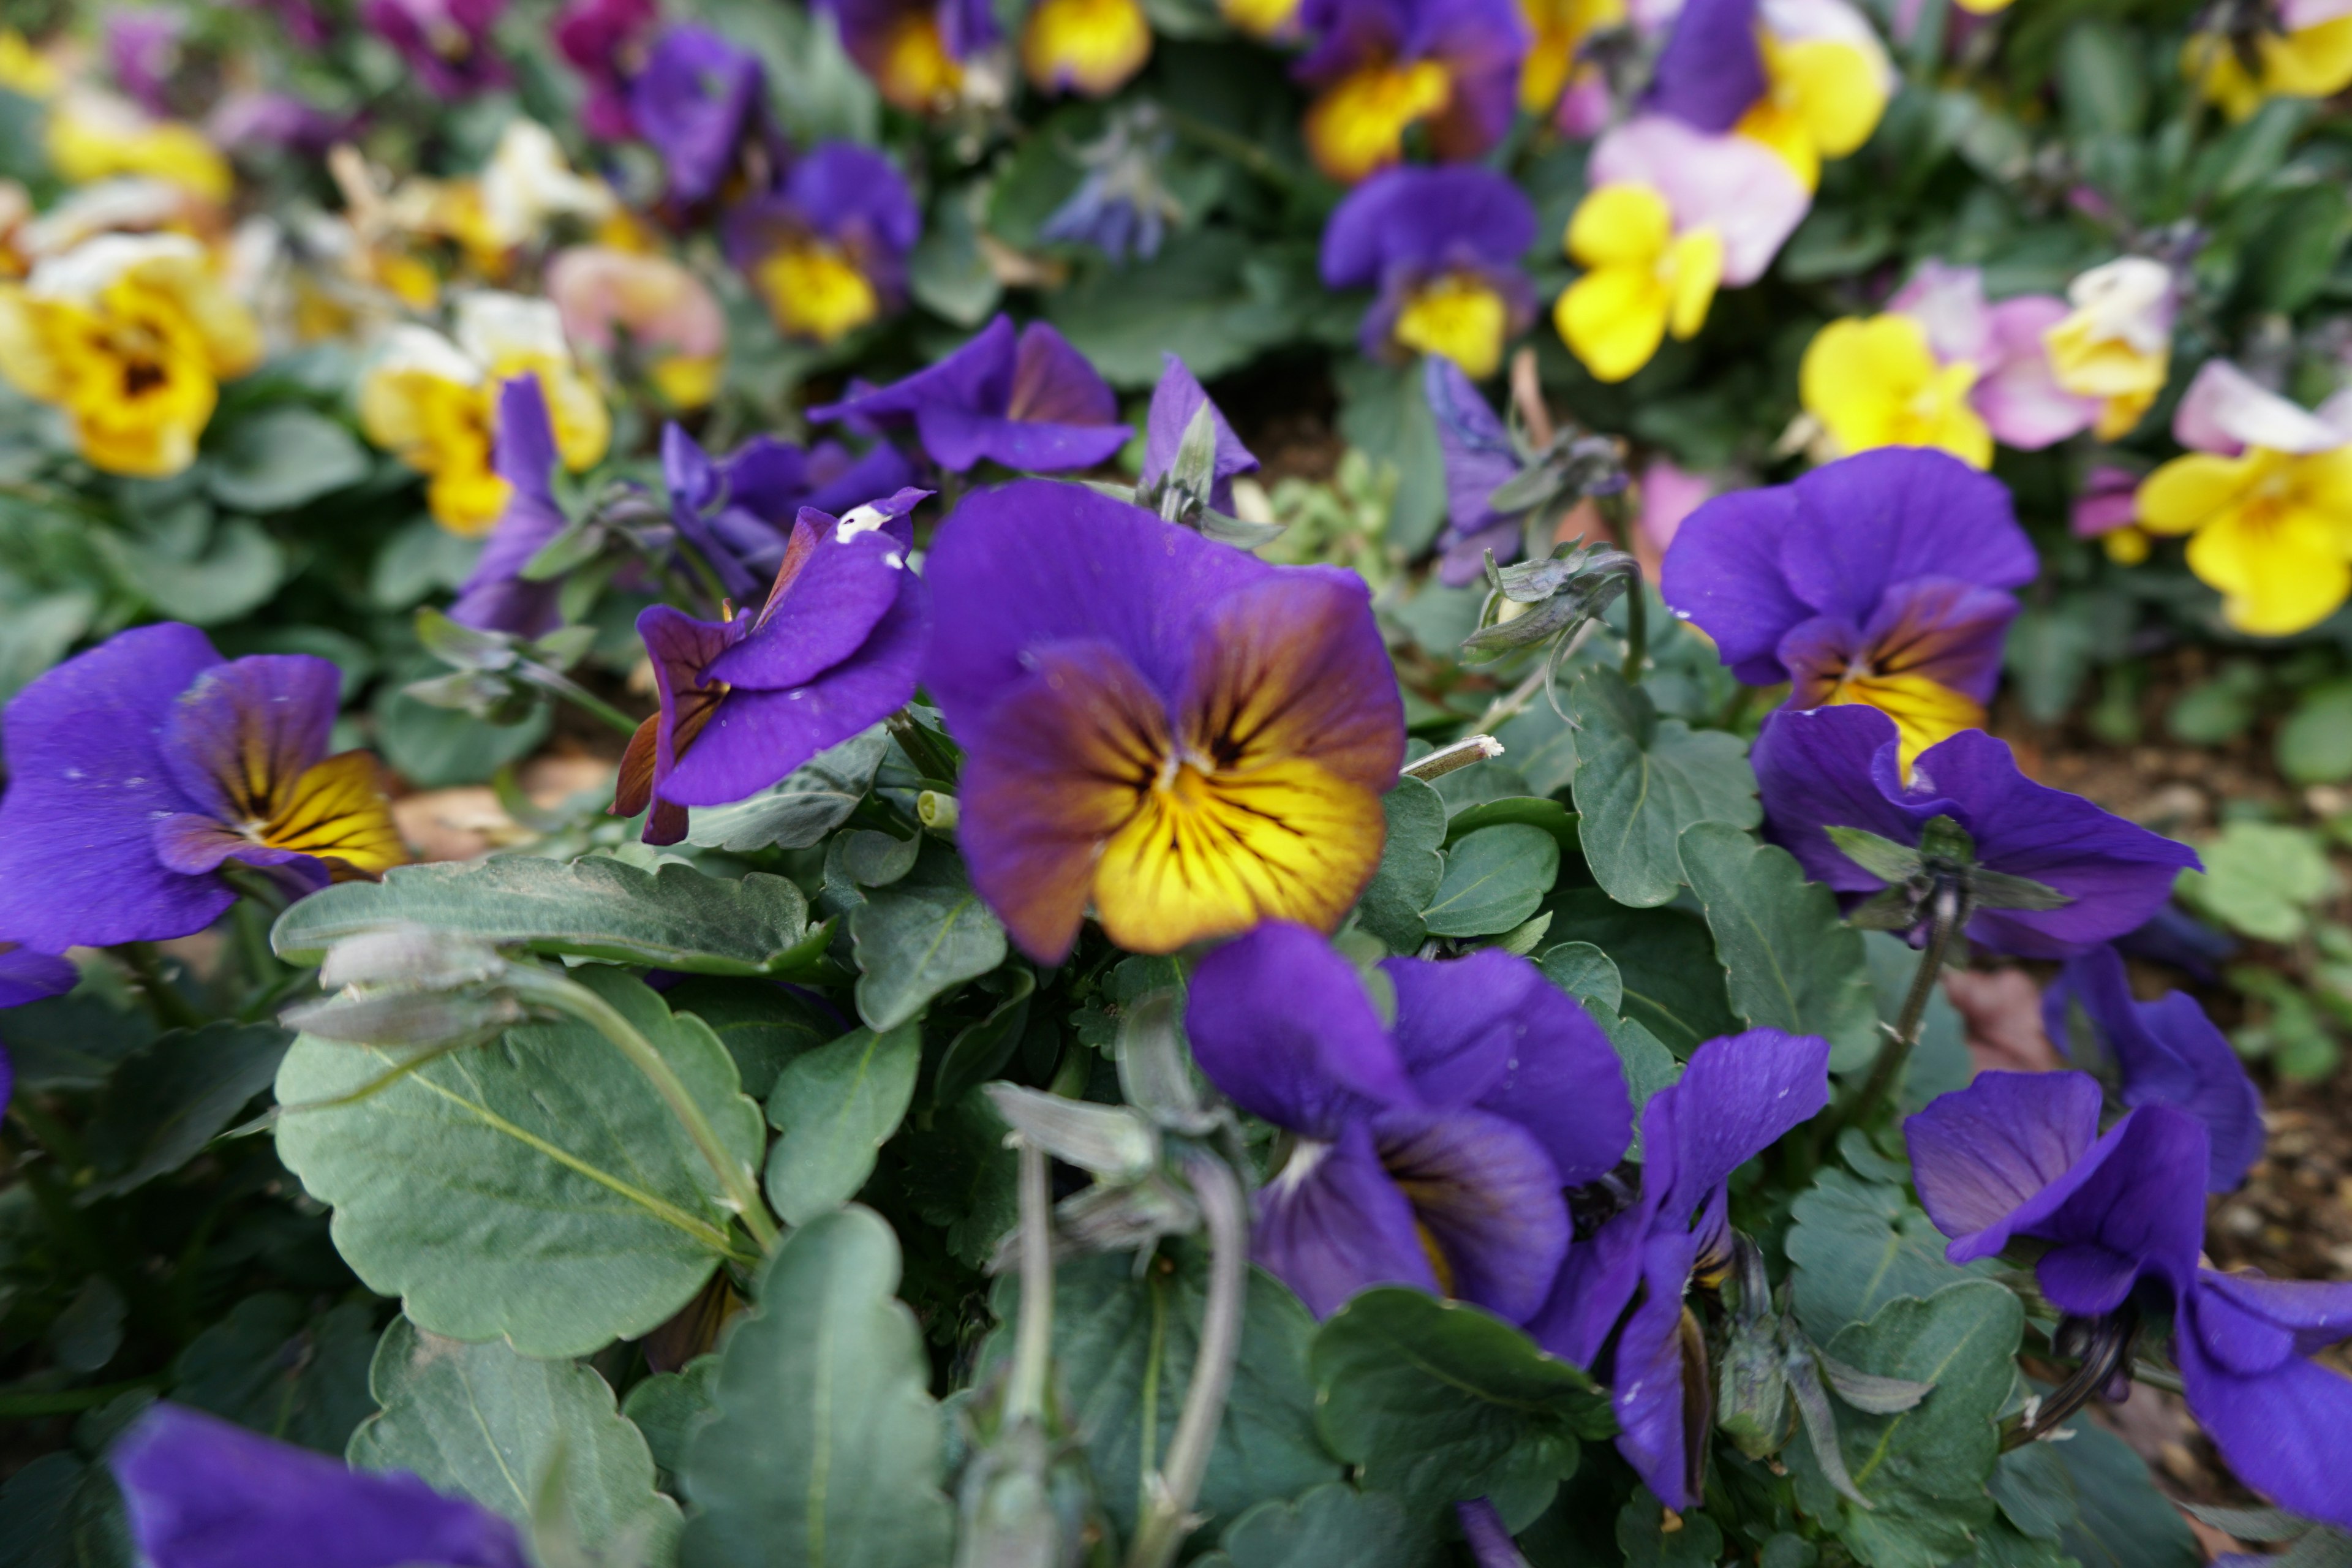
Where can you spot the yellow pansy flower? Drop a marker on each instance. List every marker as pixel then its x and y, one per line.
pixel 2272 531
pixel 1642 280
pixel 1357 125
pixel 2301 62
pixel 1877 382
pixel 1090 47
pixel 130 337
pixel 1827 83
pixel 2116 343
pixel 1265 19
pixel 1558 28
pixel 24 69
pixel 433 402
pixel 94 136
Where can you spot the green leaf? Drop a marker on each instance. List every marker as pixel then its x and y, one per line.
pixel 1494 880
pixel 761 1024
pixel 815 798
pixel 280 457
pixel 434 748
pixel 961 1177
pixel 1790 963
pixel 824 1447
pixel 1193 295
pixel 1643 1537
pixel 913 942
pixel 536 1187
pixel 61 1512
pixel 979 1050
pixel 2314 745
pixel 1383 412
pixel 1541 745
pixel 947 274
pixel 667 1408
pixel 236 572
pixel 481 1422
pixel 2102 80
pixel 1123 1353
pixel 272 1365
pixel 1856 1246
pixel 1672 984
pixel 168 1098
pixel 1584 971
pixel 2123 1521
pixel 1535 811
pixel 1438 1401
pixel 836 1106
pixel 2260 879
pixel 1410 869
pixel 1333 1526
pixel 1641 781
pixel 597 907
pixel 1923 1470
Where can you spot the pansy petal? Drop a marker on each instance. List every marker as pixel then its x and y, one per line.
pixel 958 438
pixel 28 976
pixel 1458 1022
pixel 1052 384
pixel 1486 1199
pixel 977 376
pixel 1883 516
pixel 1474 443
pixel 2225 411
pixel 1832 767
pixel 1034 563
pixel 1061 763
pixel 758 736
pixel 2316 1313
pixel 1943 630
pixel 1563 1083
pixel 202 1492
pixel 1723 571
pixel 1736 1099
pixel 2283 1431
pixel 337 813
pixel 2168 1052
pixel 824 607
pixel 1280 1023
pixel 1602 1272
pixel 1176 401
pixel 1332 1223
pixel 242 733
pixel 87 780
pixel 1646 1376
pixel 1732 184
pixel 1711 69
pixel 1978 1154
pixel 840 482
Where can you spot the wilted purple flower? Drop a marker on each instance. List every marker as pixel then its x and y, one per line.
pixel 1882 579
pixel 740 510
pixel 1835 767
pixel 827 249
pixel 446 42
pixel 28 976
pixel 142 48
pixel 1479 459
pixel 2121 1218
pixel 602 39
pixel 744 701
pixel 1121 207
pixel 141 768
pixel 495 596
pixel 692 103
pixel 2165 1052
pixel 202 1492
pixel 1382 65
pixel 1433 1155
pixel 1176 402
pixel 1443 247
pixel 1186 737
pixel 1030 403
pixel 1736 1098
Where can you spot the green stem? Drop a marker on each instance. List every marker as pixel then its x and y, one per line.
pixel 163 999
pixel 563 686
pixel 735 1176
pixel 922 749
pixel 1161 1529
pixel 1637 631
pixel 1943 921
pixel 65 1401
pixel 1033 1345
pixel 1240 149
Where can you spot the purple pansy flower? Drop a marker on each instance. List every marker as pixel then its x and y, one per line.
pixel 692 103
pixel 827 248
pixel 745 702
pixel 600 37
pixel 142 48
pixel 1835 767
pixel 1479 459
pixel 1175 402
pixel 914 50
pixel 1710 70
pixel 28 976
pixel 2121 1218
pixel 446 42
pixel 138 769
pixel 1031 403
pixel 1443 247
pixel 740 510
pixel 1433 1155
pixel 1882 579
pixel 202 1492
pixel 1184 737
pixel 1381 66
pixel 1738 1097
pixel 2165 1052
pixel 495 596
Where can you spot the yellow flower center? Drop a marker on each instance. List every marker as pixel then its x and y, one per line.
pixel 1560 28
pixel 1093 46
pixel 916 72
pixel 1456 317
pixel 1358 126
pixel 1259 18
pixel 816 292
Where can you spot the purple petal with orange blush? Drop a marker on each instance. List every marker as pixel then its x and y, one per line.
pixel 244 732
